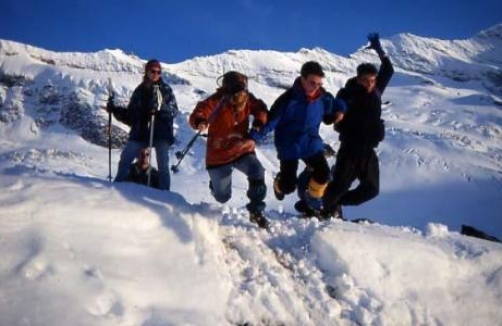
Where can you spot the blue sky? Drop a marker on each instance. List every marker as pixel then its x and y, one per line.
pixel 173 31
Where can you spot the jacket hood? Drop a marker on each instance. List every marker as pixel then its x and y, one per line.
pixel 352 83
pixel 299 91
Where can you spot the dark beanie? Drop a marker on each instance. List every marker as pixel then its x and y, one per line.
pixel 153 63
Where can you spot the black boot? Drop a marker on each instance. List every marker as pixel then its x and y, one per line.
pixel 302 207
pixel 333 213
pixel 259 219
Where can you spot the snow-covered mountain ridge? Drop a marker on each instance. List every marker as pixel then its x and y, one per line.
pixel 78 250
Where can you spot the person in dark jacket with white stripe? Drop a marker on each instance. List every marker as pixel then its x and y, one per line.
pixel 361 130
pixel 142 106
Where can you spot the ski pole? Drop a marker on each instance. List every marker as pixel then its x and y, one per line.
pixel 181 154
pixel 152 122
pixel 111 96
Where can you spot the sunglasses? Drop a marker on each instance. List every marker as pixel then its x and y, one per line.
pixel 155 72
pixel 235 89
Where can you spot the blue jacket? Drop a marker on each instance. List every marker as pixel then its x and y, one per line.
pixel 296 121
pixel 144 100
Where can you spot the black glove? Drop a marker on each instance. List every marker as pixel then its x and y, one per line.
pixel 154 104
pixel 200 124
pixel 375 43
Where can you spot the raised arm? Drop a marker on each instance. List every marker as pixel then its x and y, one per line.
pixel 386 69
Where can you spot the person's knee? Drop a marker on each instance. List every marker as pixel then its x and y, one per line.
pixel 372 192
pixel 257 172
pixel 287 186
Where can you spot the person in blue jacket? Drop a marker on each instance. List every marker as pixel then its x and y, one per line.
pixel 143 104
pixel 295 117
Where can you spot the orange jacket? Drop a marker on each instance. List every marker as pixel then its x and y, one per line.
pixel 228 129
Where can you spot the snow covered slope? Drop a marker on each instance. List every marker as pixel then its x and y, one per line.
pixel 78 250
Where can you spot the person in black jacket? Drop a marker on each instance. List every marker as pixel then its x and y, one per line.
pixel 361 130
pixel 142 106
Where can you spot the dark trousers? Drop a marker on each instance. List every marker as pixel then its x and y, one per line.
pixel 288 168
pixel 351 165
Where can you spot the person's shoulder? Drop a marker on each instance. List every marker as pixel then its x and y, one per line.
pixel 327 94
pixel 210 102
pixel 164 85
pixel 351 82
pixel 350 88
pixel 287 94
pixel 138 88
pixel 213 99
pixel 257 104
pixel 165 88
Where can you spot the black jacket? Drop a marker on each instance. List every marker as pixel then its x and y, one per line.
pixel 137 175
pixel 136 114
pixel 362 127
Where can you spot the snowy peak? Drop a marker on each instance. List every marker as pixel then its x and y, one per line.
pixel 104 60
pixel 463 60
pixel 493 33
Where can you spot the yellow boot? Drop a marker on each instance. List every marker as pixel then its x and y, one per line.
pixel 316 190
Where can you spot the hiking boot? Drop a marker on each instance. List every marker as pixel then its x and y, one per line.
pixel 259 219
pixel 335 213
pixel 302 207
pixel 277 191
pixel 313 203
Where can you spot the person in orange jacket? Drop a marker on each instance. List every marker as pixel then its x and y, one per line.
pixel 230 144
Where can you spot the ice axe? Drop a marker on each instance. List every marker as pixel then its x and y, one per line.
pixel 181 154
